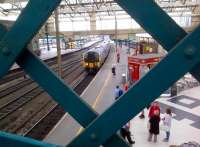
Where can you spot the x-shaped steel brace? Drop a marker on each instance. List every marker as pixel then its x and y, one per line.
pixel 184 56
pixel 12 49
pixel 100 140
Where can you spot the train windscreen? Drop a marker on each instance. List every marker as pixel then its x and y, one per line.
pixel 91 57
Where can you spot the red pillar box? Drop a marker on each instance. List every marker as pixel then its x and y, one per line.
pixel 136 72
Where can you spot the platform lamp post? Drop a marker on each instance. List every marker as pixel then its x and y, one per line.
pixel 116 31
pixel 58 43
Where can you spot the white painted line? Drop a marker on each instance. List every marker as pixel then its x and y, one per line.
pixel 164 101
pixel 186 101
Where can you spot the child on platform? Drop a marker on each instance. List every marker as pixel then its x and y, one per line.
pixel 167 123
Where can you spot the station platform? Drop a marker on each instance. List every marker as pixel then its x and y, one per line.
pixel 100 95
pixel 185 123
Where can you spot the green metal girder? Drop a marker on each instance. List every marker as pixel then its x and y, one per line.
pixel 147 13
pixel 30 20
pixel 26 26
pixel 60 92
pixel 183 57
pixel 99 131
pixel 9 140
pixel 40 11
pixel 157 23
pixel 2 31
pixel 56 88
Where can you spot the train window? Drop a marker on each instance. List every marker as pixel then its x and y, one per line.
pixel 91 57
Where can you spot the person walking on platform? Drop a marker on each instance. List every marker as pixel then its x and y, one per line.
pixel 126 134
pixel 167 123
pixel 113 70
pixel 118 92
pixel 121 92
pixel 154 126
pixel 118 57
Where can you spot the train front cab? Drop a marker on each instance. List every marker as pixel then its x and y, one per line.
pixel 91 62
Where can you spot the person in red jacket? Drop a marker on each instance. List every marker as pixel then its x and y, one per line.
pixel 154 107
pixel 154 125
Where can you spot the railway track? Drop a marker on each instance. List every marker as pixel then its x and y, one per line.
pixel 25 94
pixel 18 73
pixel 38 123
pixel 22 83
pixel 11 87
pixel 11 103
pixel 17 99
pixel 44 126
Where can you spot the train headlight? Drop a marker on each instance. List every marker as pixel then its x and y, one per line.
pixel 91 65
pixel 98 64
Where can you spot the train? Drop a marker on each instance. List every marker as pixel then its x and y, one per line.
pixel 94 58
pixel 71 45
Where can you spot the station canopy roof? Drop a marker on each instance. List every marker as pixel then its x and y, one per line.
pixel 74 9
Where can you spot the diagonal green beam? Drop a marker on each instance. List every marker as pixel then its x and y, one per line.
pixel 2 31
pixel 61 93
pixel 77 108
pixel 157 23
pixel 27 25
pixel 148 19
pixel 9 140
pixel 183 57
pixel 56 87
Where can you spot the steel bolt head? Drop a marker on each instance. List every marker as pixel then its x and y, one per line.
pixel 190 52
pixel 93 137
pixel 6 51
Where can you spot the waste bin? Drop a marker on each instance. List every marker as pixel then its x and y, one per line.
pixel 174 90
